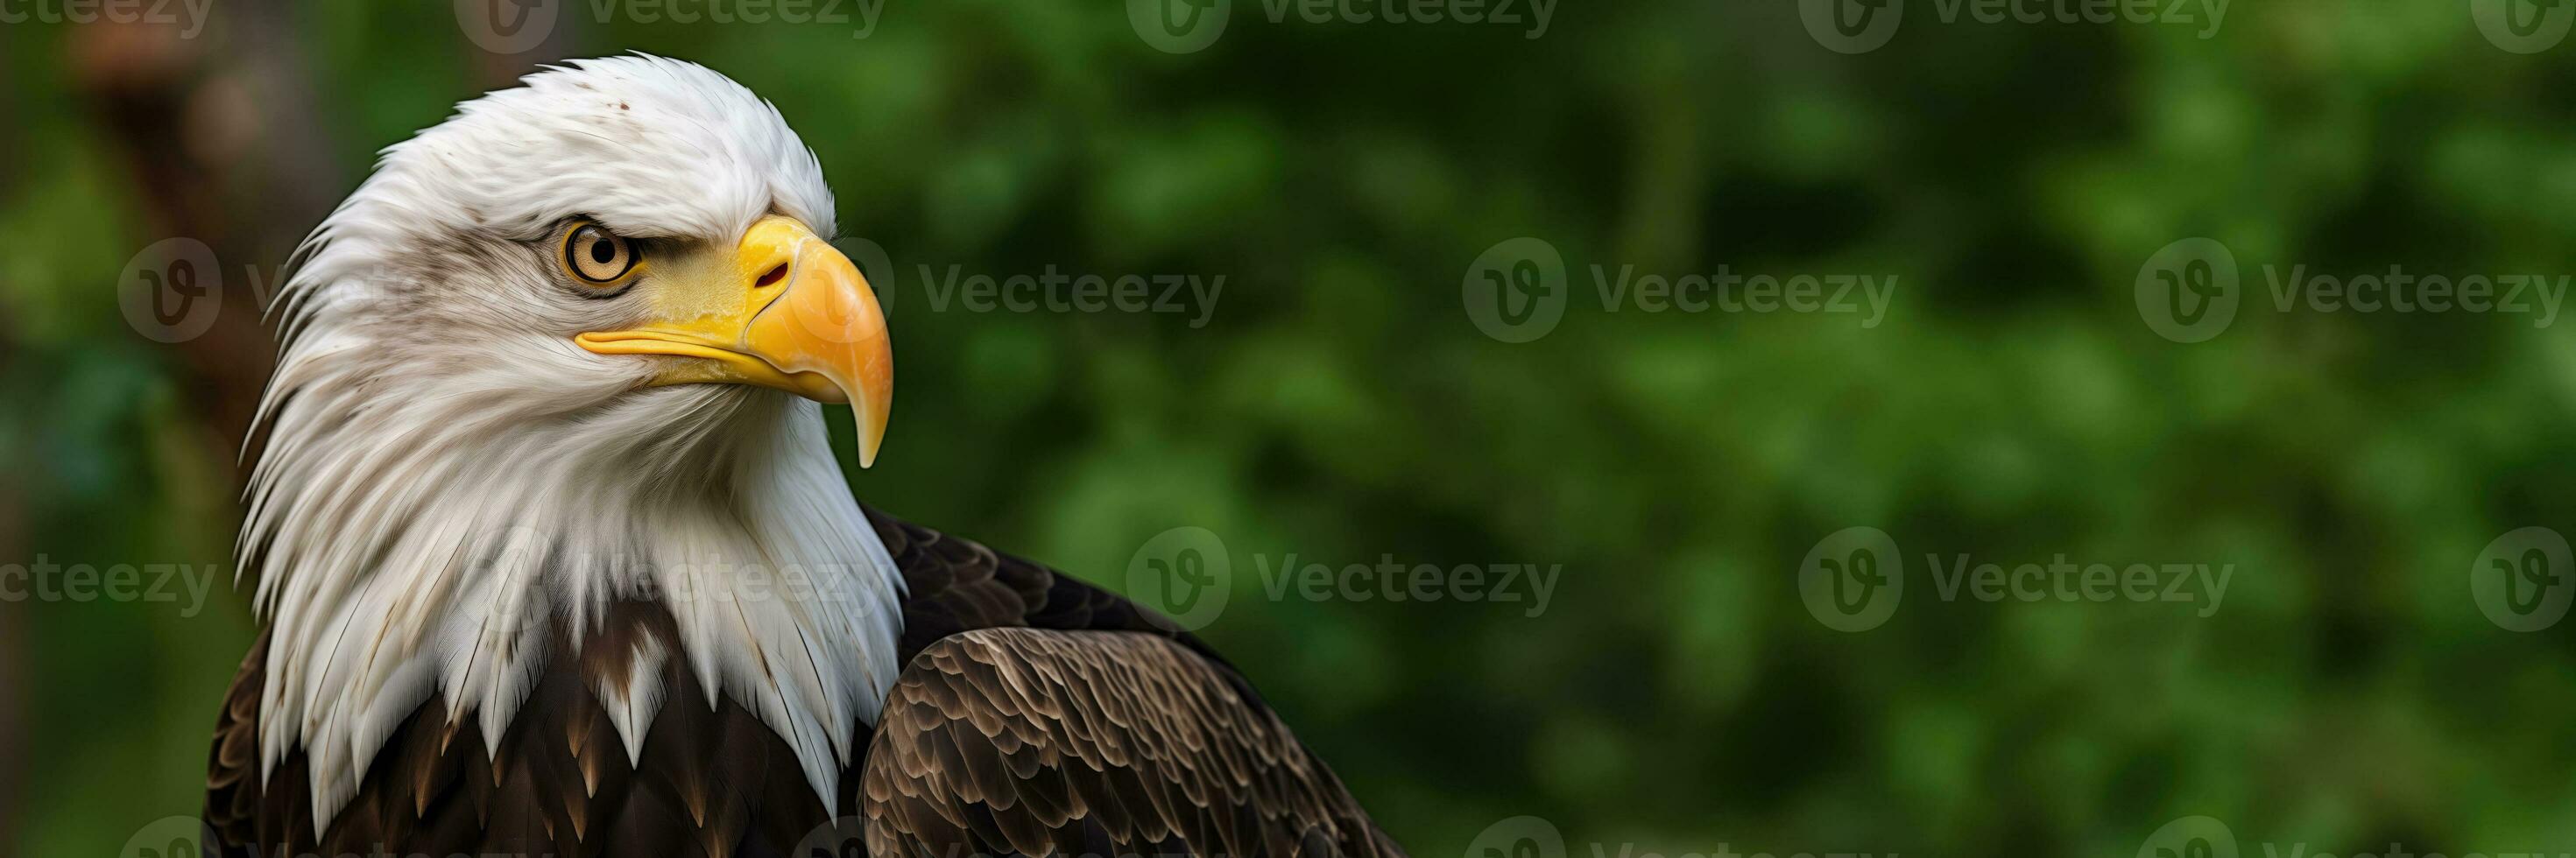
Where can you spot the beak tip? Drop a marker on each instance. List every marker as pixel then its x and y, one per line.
pixel 871 436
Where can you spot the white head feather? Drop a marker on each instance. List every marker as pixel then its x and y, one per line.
pixel 447 475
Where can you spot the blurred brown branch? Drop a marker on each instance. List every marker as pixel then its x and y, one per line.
pixel 223 140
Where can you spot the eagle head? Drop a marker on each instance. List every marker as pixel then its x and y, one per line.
pixel 619 225
pixel 566 352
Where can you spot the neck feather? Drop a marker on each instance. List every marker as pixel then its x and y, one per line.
pixel 444 536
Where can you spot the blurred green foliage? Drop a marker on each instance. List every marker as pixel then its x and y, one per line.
pixel 1340 406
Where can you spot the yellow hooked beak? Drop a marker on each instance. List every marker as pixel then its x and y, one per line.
pixel 782 310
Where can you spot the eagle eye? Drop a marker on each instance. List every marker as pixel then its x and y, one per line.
pixel 599 257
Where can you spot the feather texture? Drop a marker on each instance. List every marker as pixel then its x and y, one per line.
pixel 446 474
pixel 1036 714
pixel 515 601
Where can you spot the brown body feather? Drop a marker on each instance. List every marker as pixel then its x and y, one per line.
pixel 1036 714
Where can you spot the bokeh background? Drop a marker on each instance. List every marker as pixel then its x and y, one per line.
pixel 1339 404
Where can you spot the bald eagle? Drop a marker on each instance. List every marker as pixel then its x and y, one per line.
pixel 553 556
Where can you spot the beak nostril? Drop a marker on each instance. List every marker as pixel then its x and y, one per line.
pixel 771 277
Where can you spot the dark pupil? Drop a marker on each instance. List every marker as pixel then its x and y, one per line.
pixel 602 251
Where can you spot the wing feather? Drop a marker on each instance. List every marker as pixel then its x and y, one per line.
pixel 1039 715
pixel 1018 741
